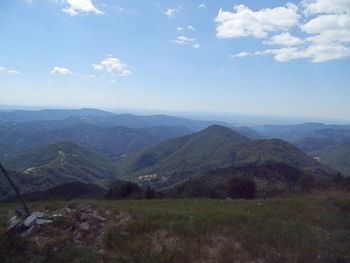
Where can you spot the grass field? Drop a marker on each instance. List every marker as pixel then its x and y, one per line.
pixel 314 228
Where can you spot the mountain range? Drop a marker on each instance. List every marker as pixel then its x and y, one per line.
pixel 175 160
pixel 48 148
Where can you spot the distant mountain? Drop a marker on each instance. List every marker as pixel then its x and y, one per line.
pixel 116 142
pixel 111 142
pixel 64 161
pixel 175 160
pixel 54 117
pixel 336 156
pixel 311 144
pixel 292 133
pixel 48 114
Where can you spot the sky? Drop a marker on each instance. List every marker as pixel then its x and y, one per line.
pixel 283 58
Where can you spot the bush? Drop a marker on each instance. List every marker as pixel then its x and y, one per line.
pixel 124 191
pixel 150 193
pixel 306 183
pixel 241 188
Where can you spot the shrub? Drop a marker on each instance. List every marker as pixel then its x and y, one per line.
pixel 124 191
pixel 150 193
pixel 241 188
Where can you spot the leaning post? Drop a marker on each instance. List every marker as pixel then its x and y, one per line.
pixel 20 197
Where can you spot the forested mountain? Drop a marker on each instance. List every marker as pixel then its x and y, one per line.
pixel 111 142
pixel 336 156
pixel 51 147
pixel 48 114
pixel 271 178
pixel 175 160
pixel 51 165
pixel 292 133
pixel 63 159
pixel 108 134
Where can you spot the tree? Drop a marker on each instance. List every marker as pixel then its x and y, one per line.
pixel 241 188
pixel 150 193
pixel 127 190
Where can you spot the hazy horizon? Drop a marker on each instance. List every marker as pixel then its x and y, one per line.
pixel 233 118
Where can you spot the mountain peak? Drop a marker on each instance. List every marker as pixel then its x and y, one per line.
pixel 224 132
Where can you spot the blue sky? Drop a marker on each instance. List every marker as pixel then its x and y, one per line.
pixel 288 58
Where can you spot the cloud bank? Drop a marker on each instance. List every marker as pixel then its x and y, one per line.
pixel 321 29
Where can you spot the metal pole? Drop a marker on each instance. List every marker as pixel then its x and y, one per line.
pixel 20 197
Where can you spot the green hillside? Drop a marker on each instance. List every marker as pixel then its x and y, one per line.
pixel 337 157
pixel 271 179
pixel 175 160
pixel 64 159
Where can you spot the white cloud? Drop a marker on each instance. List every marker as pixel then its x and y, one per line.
pixel 324 32
pixel 12 71
pixel 170 12
pixel 77 7
pixel 326 6
pixel 326 23
pixel 201 6
pixel 317 53
pixel 61 71
pixel 284 39
pixel 327 37
pixel 241 55
pixel 182 40
pixel 245 22
pixel 9 71
pixel 191 28
pixel 113 66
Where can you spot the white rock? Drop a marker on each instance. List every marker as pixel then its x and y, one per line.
pixel 38 214
pixel 84 226
pixel 30 220
pixel 42 221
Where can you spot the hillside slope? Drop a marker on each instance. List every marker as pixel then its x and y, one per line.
pixel 175 160
pixel 64 160
pixel 337 157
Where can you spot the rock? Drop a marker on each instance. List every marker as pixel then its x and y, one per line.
pixel 125 234
pixel 30 220
pixel 38 214
pixel 30 231
pixel 39 221
pixel 57 215
pixel 100 218
pixel 14 222
pixel 84 226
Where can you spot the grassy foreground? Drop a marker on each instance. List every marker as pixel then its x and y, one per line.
pixel 308 229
